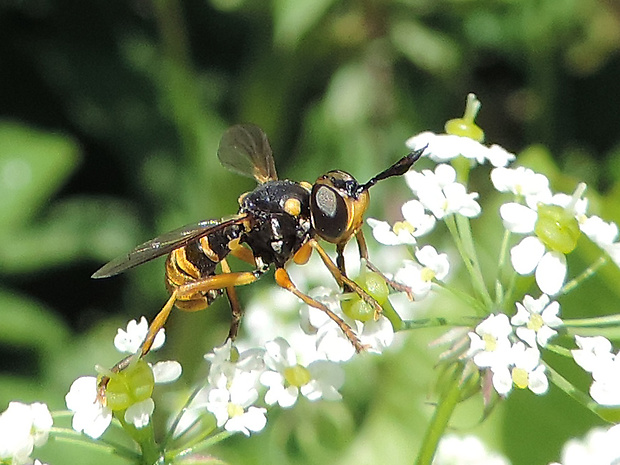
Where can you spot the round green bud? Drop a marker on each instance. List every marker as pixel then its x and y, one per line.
pixel 557 228
pixel 375 285
pixel 465 128
pixel 129 386
pixel 358 309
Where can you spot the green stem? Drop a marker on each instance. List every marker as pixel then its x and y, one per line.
pixel 73 437
pixel 461 234
pixel 443 412
pixel 145 437
pixel 435 322
pixel 500 293
pixel 393 316
pixel 594 322
pixel 585 274
pixel 563 351
pixel 177 419
pixel 566 386
pixel 200 445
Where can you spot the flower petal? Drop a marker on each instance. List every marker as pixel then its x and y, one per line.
pixel 518 218
pixel 551 272
pixel 526 255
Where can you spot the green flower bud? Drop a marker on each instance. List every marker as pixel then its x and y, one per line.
pixel 465 126
pixel 376 287
pixel 129 386
pixel 358 309
pixel 557 228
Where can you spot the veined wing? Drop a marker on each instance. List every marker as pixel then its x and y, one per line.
pixel 164 244
pixel 245 149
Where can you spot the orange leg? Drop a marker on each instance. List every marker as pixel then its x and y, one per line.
pixel 284 280
pixel 226 280
pixel 342 279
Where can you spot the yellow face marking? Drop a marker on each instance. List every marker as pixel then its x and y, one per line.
pixel 306 185
pixel 292 206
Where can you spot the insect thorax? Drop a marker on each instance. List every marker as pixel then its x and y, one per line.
pixel 279 220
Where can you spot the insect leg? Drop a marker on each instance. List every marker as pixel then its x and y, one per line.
pixel 284 280
pixel 235 307
pixel 343 280
pixel 220 281
pixel 241 252
pixel 340 263
pixel 361 243
pixel 154 328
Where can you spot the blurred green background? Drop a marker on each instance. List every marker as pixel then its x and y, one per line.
pixel 110 116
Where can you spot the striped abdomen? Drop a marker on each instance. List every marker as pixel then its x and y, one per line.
pixel 198 260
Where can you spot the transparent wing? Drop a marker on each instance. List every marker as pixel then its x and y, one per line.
pixel 164 244
pixel 245 149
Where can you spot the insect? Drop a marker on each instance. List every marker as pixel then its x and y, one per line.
pixel 278 222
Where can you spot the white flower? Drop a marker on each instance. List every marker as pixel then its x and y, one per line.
pixel 166 371
pixel 598 447
pixel 22 427
pixel 444 147
pixel 331 342
pixel 522 182
pixel 140 413
pixel 227 363
pixel 232 405
pixel 489 344
pixel 419 276
pixel 603 234
pixel 286 379
pixel 468 450
pixel 600 232
pixel 531 253
pixel 233 382
pixel 416 223
pixel 441 194
pixel 90 415
pixel 129 341
pixel 535 318
pixel 523 371
pixel 592 352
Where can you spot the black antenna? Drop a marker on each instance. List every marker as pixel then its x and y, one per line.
pixel 397 169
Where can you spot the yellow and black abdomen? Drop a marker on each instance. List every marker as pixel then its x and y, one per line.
pixel 196 261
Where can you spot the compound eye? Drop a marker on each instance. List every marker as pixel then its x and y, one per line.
pixel 330 215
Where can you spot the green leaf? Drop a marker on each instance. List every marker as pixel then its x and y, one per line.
pixel 33 165
pixel 293 19
pixel 74 229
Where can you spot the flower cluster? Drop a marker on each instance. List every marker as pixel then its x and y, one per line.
pixel 468 450
pixel 507 345
pixel 509 348
pixel 128 392
pixel 504 334
pixel 236 379
pixel 22 427
pixel 598 447
pixel 595 356
pixel 313 335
